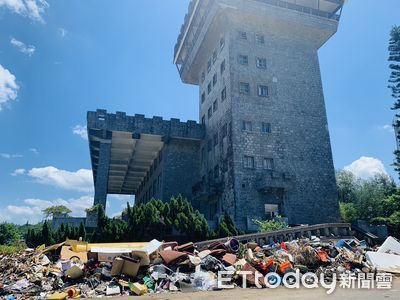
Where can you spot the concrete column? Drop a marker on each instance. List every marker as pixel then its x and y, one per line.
pixel 101 183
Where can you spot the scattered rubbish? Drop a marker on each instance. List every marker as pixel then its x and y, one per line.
pixel 390 246
pixel 75 269
pixel 384 262
pixel 138 289
pixel 170 256
pixel 130 266
pixel 57 296
pixel 113 290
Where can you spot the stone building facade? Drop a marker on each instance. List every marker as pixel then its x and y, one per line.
pixel 262 146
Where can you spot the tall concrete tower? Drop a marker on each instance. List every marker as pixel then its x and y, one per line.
pixel 267 149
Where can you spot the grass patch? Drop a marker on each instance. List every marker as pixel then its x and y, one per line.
pixel 10 249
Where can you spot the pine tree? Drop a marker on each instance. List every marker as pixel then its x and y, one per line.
pixel 226 226
pixel 82 231
pixel 394 81
pixel 47 234
pixel 28 238
pixel 67 233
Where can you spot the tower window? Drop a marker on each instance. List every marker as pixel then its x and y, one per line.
pixel 223 94
pixel 244 88
pixel 262 91
pixel 203 97
pixel 214 57
pixel 261 63
pixel 203 77
pixel 222 43
pixel 210 112
pixel 224 131
pixel 209 145
pixel 243 59
pixel 243 35
pixel 216 172
pixel 223 67
pixel 209 66
pixel 215 105
pixel 209 88
pixel 266 127
pixel 215 78
pixel 249 162
pixel 203 119
pixel 215 139
pixel 260 39
pixel 247 126
pixel 268 164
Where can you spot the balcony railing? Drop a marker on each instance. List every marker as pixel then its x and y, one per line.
pixel 304 9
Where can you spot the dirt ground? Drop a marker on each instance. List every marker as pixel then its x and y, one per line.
pixel 282 294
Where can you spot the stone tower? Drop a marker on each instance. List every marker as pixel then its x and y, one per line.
pixel 267 147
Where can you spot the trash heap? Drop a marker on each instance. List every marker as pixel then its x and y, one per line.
pixel 76 269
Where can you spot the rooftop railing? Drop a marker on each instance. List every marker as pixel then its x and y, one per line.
pixel 278 3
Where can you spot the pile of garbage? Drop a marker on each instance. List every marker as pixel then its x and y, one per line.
pixel 76 269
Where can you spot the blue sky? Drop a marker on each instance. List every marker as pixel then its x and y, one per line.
pixel 59 59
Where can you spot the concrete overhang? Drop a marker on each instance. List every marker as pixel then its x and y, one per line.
pixel 135 143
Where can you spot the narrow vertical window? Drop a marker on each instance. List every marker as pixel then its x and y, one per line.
pixel 249 162
pixel 244 88
pixel 222 43
pixel 261 63
pixel 266 127
pixel 262 91
pixel 247 126
pixel 260 39
pixel 243 59
pixel 214 57
pixel 223 94
pixel 222 67
pixel 215 105
pixel 243 35
pixel 268 164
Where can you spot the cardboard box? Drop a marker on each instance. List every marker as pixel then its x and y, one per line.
pixel 117 265
pixel 107 257
pixel 67 254
pixel 131 266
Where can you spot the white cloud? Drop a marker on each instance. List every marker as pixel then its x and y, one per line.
pixel 34 9
pixel 22 47
pixel 31 210
pixel 387 127
pixel 81 180
pixel 18 172
pixel 34 151
pixel 366 167
pixel 10 155
pixel 63 32
pixel 8 86
pixel 81 131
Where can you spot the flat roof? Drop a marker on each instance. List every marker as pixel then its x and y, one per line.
pixel 321 8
